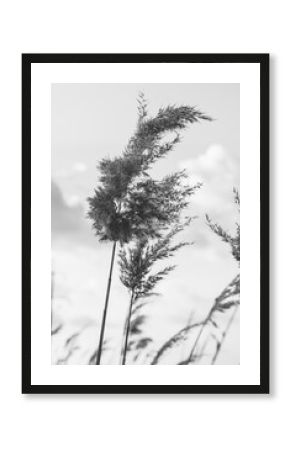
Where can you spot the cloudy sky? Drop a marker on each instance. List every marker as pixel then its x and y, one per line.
pixel 90 121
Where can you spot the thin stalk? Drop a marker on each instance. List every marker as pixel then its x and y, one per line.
pixel 102 332
pixel 52 295
pixel 128 325
pixel 123 340
pixel 225 332
pixel 204 323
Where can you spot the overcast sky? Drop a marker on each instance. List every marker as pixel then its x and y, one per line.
pixel 90 121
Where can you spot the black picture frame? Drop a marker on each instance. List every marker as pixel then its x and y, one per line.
pixel 263 60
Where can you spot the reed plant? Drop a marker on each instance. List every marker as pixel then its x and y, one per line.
pixel 127 204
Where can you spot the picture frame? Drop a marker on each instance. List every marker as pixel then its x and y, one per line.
pixel 32 66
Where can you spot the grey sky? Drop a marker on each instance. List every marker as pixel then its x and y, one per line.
pixel 90 121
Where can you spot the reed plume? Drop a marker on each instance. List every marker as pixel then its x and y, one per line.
pixel 120 208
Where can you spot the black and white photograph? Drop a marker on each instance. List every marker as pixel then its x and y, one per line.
pixel 145 224
pixel 145 188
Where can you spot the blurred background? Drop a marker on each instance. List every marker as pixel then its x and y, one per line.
pixel 91 121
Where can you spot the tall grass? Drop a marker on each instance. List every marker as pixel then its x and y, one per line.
pixel 136 264
pixel 127 204
pixel 227 300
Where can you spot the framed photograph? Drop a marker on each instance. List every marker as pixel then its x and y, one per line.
pixel 145 223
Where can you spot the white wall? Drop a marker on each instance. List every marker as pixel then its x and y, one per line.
pixel 73 422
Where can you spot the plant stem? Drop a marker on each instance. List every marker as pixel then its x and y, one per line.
pixel 168 344
pixel 123 341
pixel 99 354
pixel 225 332
pixel 204 323
pixel 128 324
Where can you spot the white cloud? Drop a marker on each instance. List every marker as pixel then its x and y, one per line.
pixel 214 163
pixel 79 167
pixel 73 200
pixel 206 163
pixel 76 169
pixel 218 172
